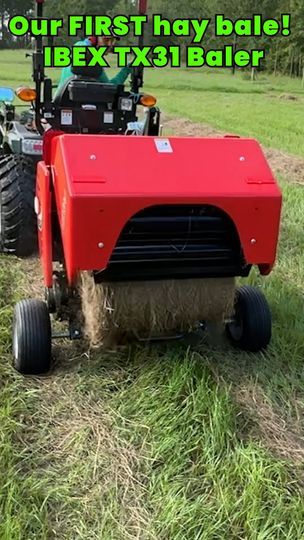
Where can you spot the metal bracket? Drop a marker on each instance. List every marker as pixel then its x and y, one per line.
pixel 177 337
pixel 72 334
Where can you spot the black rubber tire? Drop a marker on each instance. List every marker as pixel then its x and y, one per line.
pixel 252 329
pixel 32 338
pixel 18 222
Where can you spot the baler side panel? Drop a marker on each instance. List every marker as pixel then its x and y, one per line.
pixel 65 207
pixel 44 197
pixel 258 233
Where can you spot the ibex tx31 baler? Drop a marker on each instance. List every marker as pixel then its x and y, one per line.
pixel 162 226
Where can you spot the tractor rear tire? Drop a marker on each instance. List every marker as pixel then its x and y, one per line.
pixel 32 338
pixel 18 223
pixel 251 328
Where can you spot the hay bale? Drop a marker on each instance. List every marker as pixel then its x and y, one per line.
pixel 149 309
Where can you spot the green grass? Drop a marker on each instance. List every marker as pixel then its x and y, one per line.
pixel 167 443
pixel 235 105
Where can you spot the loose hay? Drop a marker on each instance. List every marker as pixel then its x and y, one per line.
pixel 151 309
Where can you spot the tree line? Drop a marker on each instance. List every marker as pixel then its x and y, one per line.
pixel 284 54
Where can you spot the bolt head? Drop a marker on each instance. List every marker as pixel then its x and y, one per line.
pixel 36 206
pixel 93 157
pixel 101 245
pixel 253 241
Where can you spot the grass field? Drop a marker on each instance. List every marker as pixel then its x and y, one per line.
pixel 167 443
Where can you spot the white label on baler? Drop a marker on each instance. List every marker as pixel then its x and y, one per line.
pixel 108 118
pixel 66 118
pixel 163 146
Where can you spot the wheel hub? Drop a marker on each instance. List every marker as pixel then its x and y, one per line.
pixel 236 326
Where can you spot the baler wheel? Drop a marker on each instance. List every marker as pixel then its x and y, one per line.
pixel 32 337
pixel 18 223
pixel 251 328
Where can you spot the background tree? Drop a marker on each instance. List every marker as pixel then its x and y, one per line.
pixel 8 8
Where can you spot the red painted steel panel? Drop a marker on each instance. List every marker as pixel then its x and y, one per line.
pixel 102 181
pixel 44 200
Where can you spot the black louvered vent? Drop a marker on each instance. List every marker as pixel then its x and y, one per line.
pixel 164 242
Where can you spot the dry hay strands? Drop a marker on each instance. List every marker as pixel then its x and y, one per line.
pixel 153 308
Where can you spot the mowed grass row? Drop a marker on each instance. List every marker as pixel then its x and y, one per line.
pixel 165 442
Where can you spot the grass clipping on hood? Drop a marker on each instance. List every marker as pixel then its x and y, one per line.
pixel 115 311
